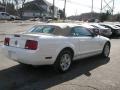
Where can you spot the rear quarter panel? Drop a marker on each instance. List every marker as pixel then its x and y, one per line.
pixel 103 40
pixel 51 47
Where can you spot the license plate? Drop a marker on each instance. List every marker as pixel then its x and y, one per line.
pixel 14 43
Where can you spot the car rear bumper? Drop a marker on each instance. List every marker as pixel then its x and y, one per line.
pixel 30 57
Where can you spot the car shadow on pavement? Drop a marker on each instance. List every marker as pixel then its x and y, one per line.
pixel 28 78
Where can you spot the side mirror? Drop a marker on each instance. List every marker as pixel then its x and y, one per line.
pixel 96 31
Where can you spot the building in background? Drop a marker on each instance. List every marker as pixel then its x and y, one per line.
pixel 2 8
pixel 39 9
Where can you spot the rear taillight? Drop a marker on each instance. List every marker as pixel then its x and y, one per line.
pixel 7 41
pixel 31 44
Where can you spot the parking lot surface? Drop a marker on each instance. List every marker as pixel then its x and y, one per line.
pixel 11 28
pixel 93 73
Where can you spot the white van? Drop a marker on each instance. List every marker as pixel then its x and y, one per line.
pixel 6 16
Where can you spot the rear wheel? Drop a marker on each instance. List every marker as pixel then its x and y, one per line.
pixel 106 50
pixel 63 62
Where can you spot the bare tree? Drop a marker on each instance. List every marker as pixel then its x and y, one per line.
pixel 17 5
pixel 3 1
pixel 23 2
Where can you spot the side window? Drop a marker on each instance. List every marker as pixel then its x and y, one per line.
pixel 2 14
pixel 80 31
pixel 6 14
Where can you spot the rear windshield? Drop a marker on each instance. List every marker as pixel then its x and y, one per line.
pixel 42 29
pixel 49 29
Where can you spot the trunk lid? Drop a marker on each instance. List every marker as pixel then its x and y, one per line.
pixel 19 40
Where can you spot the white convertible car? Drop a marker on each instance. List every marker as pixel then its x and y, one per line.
pixel 55 44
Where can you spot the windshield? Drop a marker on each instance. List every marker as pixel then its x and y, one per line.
pixel 109 26
pixel 98 26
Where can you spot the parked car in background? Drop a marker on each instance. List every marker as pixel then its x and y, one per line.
pixel 87 25
pixel 91 28
pixel 118 25
pixel 17 18
pixel 115 30
pixel 103 30
pixel 56 44
pixel 6 16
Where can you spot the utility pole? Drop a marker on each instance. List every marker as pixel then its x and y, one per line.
pixel 76 12
pixel 92 7
pixel 113 7
pixel 108 5
pixel 53 8
pixel 92 10
pixel 101 6
pixel 64 9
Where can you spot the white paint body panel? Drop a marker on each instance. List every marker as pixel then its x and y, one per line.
pixel 51 46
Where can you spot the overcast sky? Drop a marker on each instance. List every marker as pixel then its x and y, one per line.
pixel 76 7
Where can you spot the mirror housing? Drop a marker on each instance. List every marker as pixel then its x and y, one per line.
pixel 96 32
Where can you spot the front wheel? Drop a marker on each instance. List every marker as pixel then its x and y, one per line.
pixel 63 61
pixel 106 50
pixel 12 19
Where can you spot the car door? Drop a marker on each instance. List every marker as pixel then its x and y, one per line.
pixel 88 43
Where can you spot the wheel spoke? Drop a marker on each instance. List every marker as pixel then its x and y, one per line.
pixel 65 62
pixel 107 50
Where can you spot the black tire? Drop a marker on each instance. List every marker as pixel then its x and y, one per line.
pixel 106 50
pixel 58 63
pixel 25 65
pixel 12 19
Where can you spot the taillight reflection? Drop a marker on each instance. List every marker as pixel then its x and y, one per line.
pixel 7 41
